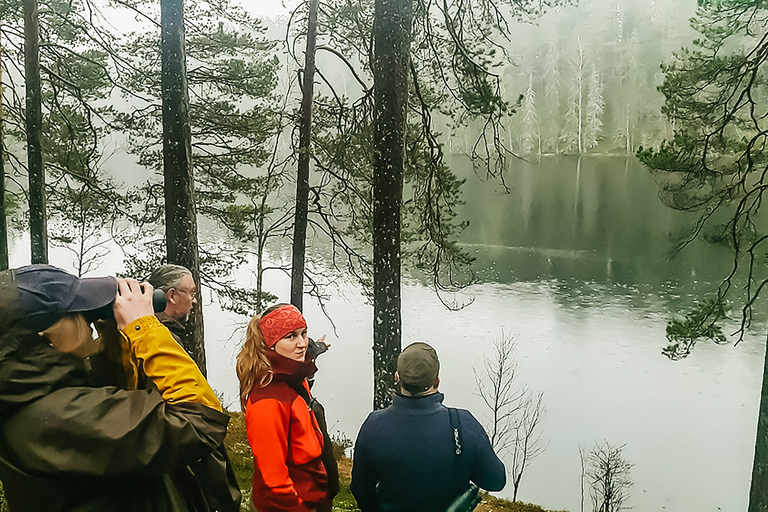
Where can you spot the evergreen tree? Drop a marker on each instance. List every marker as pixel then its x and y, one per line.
pixel 84 223
pixel 3 193
pixel 302 175
pixel 628 111
pixel 531 138
pixel 234 139
pixel 453 73
pixel 573 131
pixel 593 126
pixel 716 93
pixel 38 229
pixel 73 84
pixel 391 61
pixel 552 82
pixel 179 183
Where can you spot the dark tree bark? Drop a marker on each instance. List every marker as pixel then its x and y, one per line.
pixel 3 220
pixel 758 492
pixel 180 210
pixel 302 176
pixel 38 230
pixel 391 54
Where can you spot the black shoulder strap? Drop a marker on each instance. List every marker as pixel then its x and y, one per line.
pixel 469 499
pixel 328 457
pixel 453 414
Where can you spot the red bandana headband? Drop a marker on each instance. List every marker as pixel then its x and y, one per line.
pixel 279 322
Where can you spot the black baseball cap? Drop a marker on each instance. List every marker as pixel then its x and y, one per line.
pixel 37 296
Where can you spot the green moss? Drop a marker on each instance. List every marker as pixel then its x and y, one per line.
pixel 489 503
pixel 344 500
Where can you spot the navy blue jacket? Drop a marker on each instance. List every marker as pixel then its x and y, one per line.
pixel 405 458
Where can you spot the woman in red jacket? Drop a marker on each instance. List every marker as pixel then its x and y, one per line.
pixel 283 431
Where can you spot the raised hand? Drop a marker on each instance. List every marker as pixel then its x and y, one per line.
pixel 133 301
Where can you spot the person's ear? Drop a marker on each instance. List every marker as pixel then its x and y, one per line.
pixel 170 296
pixel 397 378
pixel 437 383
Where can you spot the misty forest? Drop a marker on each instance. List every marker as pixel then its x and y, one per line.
pixel 563 196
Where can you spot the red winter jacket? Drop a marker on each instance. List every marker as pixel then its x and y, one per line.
pixel 287 443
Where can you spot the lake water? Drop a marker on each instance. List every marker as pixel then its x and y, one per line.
pixel 572 262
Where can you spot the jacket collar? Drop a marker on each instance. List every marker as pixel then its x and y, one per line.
pixel 289 370
pixel 417 404
pixel 172 324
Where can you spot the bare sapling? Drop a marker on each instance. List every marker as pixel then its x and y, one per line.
pixel 515 411
pixel 607 474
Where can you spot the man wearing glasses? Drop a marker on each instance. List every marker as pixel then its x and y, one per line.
pixel 180 290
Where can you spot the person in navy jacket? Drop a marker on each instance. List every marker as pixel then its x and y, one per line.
pixel 407 458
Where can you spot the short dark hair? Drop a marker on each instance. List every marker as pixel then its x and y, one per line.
pixel 168 276
pixel 415 389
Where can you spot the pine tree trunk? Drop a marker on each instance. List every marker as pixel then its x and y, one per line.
pixel 758 492
pixel 38 230
pixel 3 220
pixel 580 110
pixel 391 54
pixel 180 211
pixel 302 177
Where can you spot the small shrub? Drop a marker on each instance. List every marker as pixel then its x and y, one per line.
pixel 340 444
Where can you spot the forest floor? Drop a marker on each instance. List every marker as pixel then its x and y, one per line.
pixel 240 455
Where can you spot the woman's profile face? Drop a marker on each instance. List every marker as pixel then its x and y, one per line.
pixel 293 345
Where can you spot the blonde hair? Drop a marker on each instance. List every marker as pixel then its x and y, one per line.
pixel 73 334
pixel 253 365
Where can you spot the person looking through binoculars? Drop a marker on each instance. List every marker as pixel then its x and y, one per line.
pixel 123 422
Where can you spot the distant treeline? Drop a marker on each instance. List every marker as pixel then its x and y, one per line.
pixel 584 77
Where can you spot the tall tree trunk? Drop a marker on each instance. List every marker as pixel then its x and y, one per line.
pixel 580 109
pixel 391 56
pixel 3 220
pixel 302 176
pixel 180 211
pixel 38 230
pixel 758 492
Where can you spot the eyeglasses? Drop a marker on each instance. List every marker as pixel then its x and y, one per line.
pixel 191 293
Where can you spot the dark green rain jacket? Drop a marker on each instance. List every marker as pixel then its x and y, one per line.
pixel 70 443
